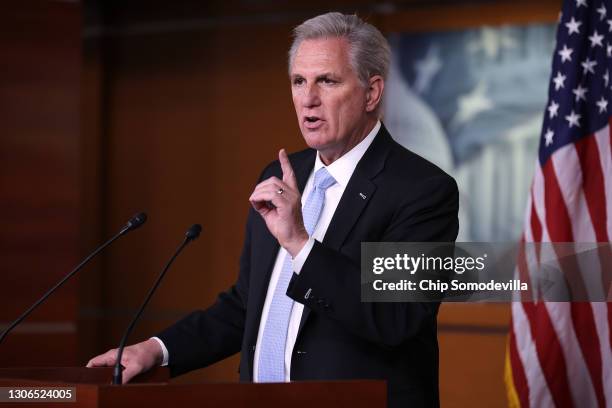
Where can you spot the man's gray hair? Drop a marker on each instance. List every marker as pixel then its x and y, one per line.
pixel 369 51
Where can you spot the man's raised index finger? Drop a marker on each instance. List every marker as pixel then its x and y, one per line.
pixel 288 174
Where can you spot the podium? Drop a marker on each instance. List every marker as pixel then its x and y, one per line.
pixel 92 388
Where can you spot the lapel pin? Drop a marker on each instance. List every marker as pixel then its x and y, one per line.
pixel 307 295
pixel 362 196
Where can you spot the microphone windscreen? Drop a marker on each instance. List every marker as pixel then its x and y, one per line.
pixel 137 220
pixel 193 232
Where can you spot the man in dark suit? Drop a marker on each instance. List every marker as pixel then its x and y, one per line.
pixel 295 311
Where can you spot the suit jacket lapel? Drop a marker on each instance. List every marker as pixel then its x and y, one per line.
pixel 350 207
pixel 303 169
pixel 358 191
pixel 353 201
pixel 355 197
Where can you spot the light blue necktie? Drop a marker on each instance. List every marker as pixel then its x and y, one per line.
pixel 271 366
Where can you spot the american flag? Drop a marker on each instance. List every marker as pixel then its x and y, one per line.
pixel 560 353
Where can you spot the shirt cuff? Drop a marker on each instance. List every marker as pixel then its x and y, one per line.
pixel 300 258
pixel 164 351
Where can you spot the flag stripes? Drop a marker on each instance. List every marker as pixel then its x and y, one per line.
pixel 560 353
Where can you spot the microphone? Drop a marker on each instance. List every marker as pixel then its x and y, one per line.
pixel 192 233
pixel 134 222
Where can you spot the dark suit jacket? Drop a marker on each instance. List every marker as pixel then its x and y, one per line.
pixel 407 199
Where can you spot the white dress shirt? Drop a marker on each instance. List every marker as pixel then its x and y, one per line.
pixel 341 170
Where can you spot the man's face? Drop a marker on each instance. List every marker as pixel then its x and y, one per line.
pixel 329 99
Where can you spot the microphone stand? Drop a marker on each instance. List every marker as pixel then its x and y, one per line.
pixel 132 224
pixel 192 233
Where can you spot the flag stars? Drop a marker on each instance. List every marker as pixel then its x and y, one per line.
pixel 602 104
pixel 581 3
pixel 596 39
pixel 566 53
pixel 572 119
pixel 580 93
pixel 548 137
pixel 588 66
pixel 553 109
pixel 606 78
pixel 602 12
pixel 609 25
pixel 573 26
pixel 609 50
pixel 559 81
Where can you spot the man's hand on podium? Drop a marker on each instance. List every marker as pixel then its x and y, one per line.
pixel 136 358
